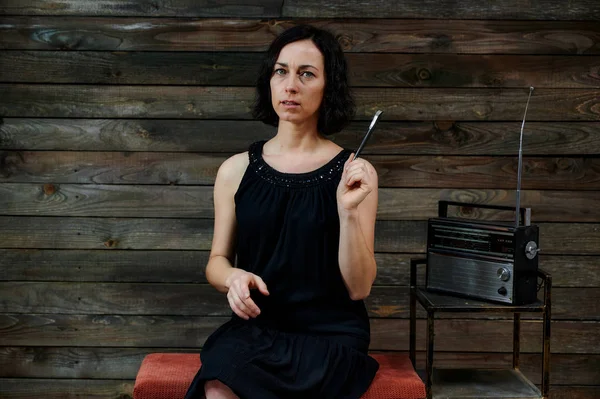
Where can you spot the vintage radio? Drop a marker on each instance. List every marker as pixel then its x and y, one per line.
pixel 482 260
pixel 485 260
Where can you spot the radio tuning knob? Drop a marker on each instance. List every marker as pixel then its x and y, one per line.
pixel 503 274
pixel 531 250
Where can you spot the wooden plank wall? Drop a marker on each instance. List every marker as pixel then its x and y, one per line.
pixel 117 114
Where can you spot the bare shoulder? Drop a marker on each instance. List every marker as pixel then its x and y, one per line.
pixel 232 170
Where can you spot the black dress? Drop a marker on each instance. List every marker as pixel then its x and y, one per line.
pixel 311 339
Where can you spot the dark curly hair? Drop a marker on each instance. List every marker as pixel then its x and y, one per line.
pixel 337 107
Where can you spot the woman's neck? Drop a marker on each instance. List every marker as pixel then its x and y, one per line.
pixel 303 138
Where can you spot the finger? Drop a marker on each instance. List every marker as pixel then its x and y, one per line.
pixel 348 161
pixel 358 164
pixel 252 307
pixel 243 287
pixel 358 167
pixel 236 309
pixel 238 312
pixel 247 305
pixel 242 305
pixel 260 284
pixel 354 178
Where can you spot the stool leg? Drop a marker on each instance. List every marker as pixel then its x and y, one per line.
pixel 413 328
pixel 429 365
pixel 546 332
pixel 516 340
pixel 413 313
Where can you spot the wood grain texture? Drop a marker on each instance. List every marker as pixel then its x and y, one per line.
pixel 466 9
pixel 153 267
pixel 103 266
pixel 126 101
pixel 574 392
pixel 203 300
pixel 73 362
pixel 442 172
pixel 561 173
pixel 547 206
pixel 115 298
pixel 241 69
pixel 123 363
pixel 154 8
pixel 435 70
pixel 393 138
pixel 147 134
pixel 580 369
pixel 105 233
pixel 85 101
pixel 197 202
pixel 17 388
pixel 110 167
pixel 107 200
pixel 355 35
pixel 475 336
pixel 155 68
pixel 196 234
pixel 573 337
pixel 143 34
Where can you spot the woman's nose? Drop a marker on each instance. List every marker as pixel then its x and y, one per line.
pixel 291 84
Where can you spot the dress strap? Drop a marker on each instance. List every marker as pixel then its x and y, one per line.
pixel 255 151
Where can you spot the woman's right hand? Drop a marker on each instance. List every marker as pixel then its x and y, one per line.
pixel 239 284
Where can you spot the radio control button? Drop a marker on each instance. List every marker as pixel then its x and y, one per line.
pixel 503 274
pixel 531 250
pixel 502 291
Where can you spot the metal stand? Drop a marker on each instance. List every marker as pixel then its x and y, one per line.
pixel 464 383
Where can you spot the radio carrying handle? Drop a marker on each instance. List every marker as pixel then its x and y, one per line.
pixel 525 212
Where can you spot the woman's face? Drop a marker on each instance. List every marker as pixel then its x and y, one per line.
pixel 298 82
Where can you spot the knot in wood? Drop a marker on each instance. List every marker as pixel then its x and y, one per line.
pixel 563 163
pixel 49 189
pixel 424 74
pixel 143 133
pixel 444 126
pixel 466 210
pixel 110 243
pixel 345 41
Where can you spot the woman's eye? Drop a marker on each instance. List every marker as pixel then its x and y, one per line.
pixel 307 74
pixel 279 71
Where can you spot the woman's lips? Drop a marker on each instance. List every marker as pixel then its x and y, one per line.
pixel 290 104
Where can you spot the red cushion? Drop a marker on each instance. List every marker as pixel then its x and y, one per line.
pixel 395 379
pixel 168 375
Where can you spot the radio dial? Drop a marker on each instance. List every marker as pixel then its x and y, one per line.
pixel 531 250
pixel 503 274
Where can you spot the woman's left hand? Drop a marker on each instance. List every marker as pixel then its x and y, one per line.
pixel 358 180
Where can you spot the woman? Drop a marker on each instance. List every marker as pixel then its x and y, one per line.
pixel 299 214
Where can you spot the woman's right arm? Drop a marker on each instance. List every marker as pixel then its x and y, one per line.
pixel 220 272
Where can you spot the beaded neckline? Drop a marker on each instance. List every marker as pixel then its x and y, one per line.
pixel 296 180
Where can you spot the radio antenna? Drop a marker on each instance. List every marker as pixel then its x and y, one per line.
pixel 520 168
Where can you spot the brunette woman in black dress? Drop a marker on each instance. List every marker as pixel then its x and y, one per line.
pixel 293 240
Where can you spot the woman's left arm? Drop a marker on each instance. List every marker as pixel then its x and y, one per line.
pixel 357 197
